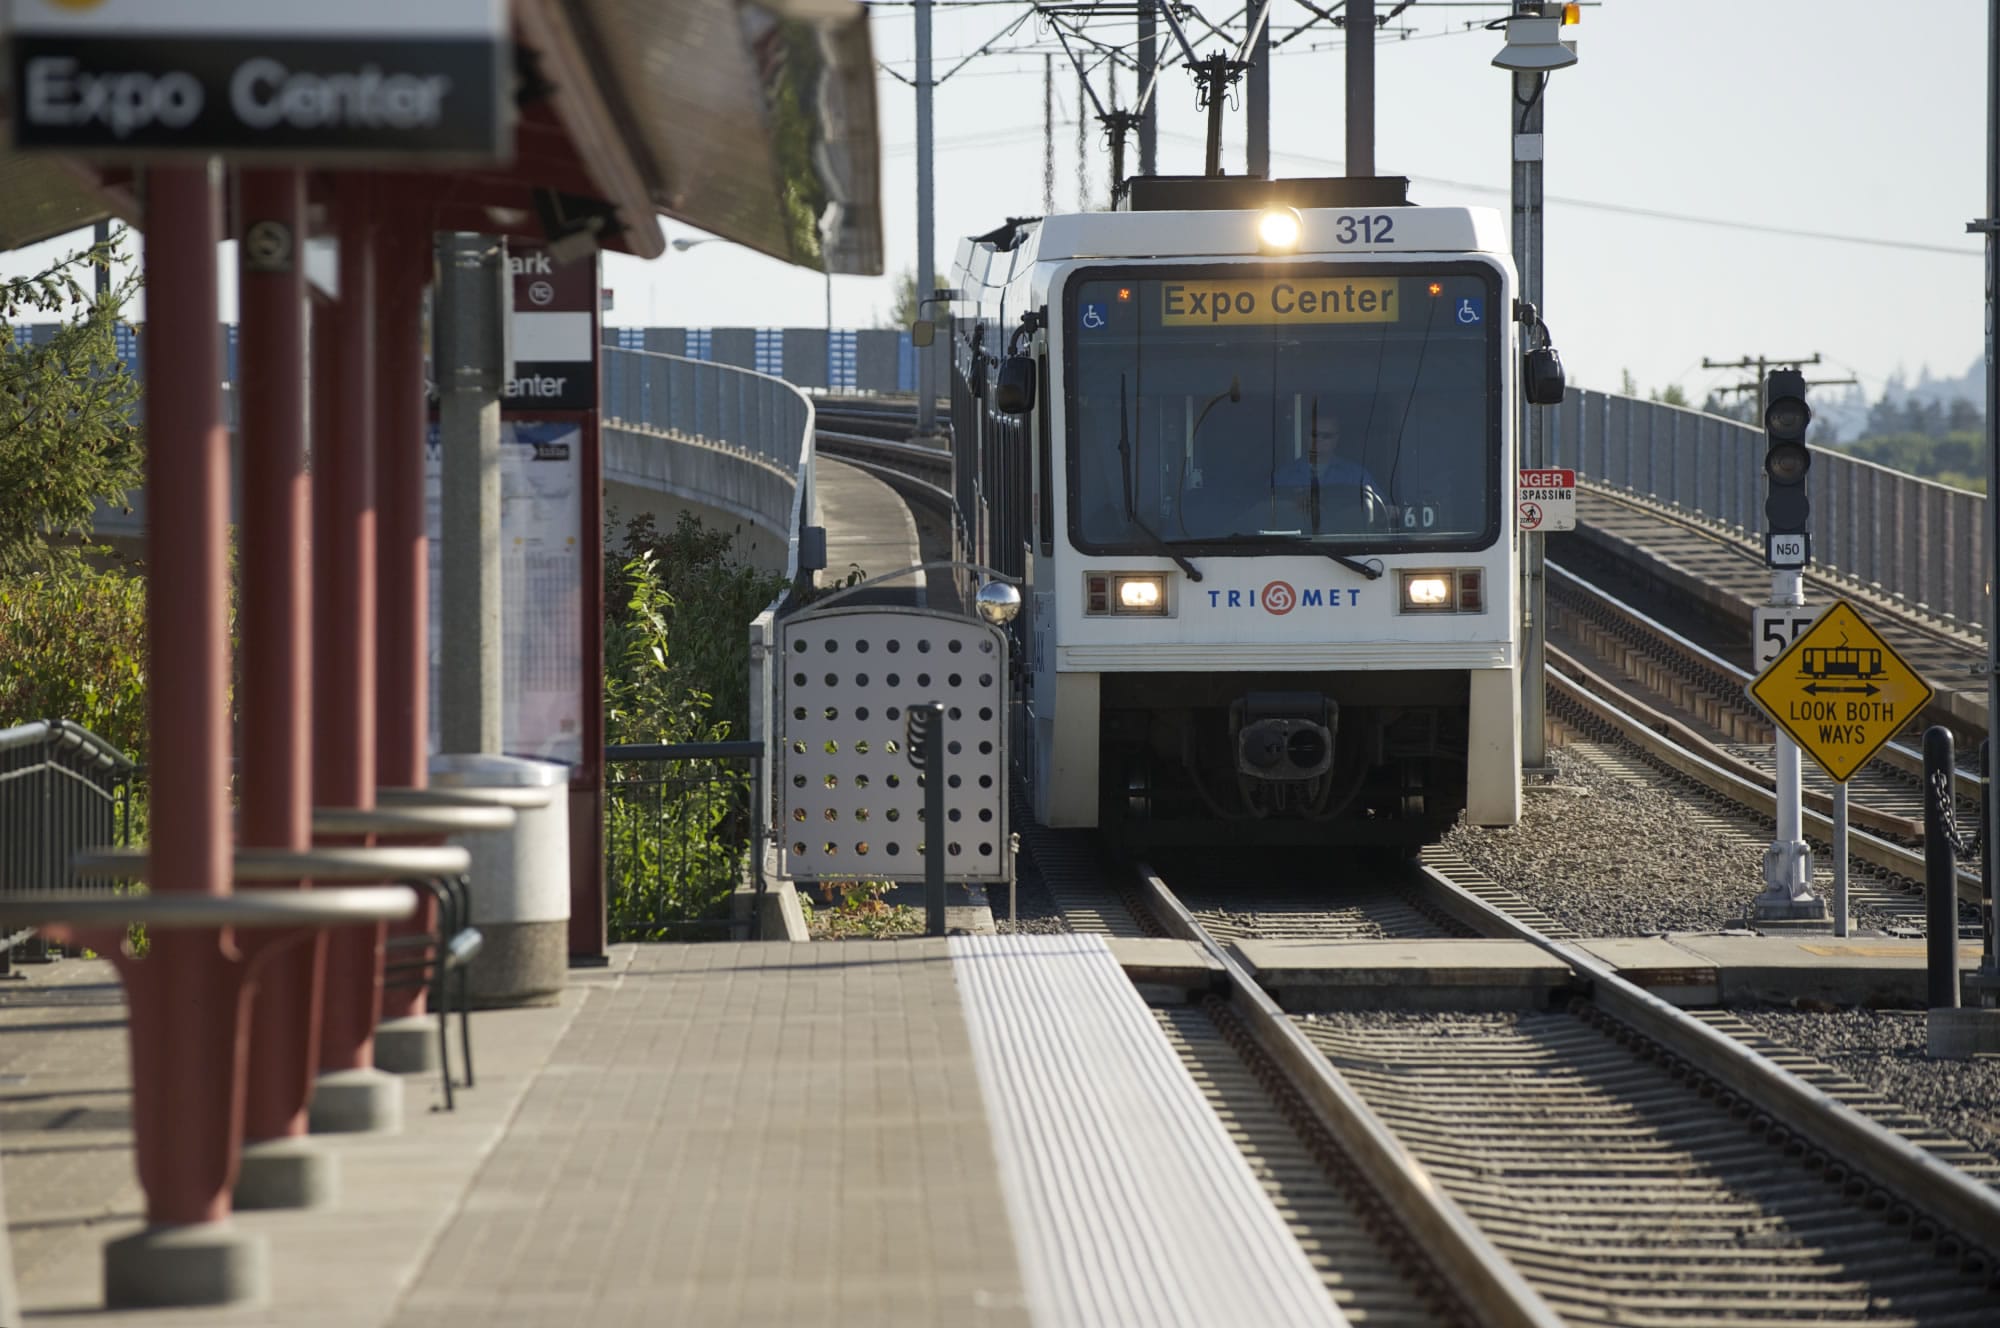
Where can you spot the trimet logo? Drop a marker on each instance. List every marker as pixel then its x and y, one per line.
pixel 1279 598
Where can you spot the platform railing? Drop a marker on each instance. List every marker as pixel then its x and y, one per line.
pixel 1914 540
pixel 62 789
pixel 681 836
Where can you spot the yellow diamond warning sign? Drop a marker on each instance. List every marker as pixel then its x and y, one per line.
pixel 1840 691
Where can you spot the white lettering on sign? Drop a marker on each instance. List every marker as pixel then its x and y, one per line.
pixel 264 95
pixel 1547 500
pixel 534 263
pixel 59 94
pixel 537 385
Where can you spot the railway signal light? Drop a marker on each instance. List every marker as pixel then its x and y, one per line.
pixel 1787 508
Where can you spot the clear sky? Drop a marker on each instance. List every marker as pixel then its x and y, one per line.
pixel 1861 119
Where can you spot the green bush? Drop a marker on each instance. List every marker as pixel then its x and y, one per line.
pixel 73 646
pixel 704 603
pixel 676 666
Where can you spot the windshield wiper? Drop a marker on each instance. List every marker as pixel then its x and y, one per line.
pixel 1370 568
pixel 1131 509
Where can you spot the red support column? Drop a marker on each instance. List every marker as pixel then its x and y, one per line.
pixel 402 652
pixel 275 624
pixel 187 1018
pixel 344 616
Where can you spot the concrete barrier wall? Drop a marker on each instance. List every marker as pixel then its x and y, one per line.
pixel 724 442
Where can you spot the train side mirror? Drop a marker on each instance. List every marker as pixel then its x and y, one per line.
pixel 1014 392
pixel 923 332
pixel 1543 370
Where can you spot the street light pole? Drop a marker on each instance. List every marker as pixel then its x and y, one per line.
pixel 1534 48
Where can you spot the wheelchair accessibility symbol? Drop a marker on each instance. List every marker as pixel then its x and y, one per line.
pixel 1471 310
pixel 1093 317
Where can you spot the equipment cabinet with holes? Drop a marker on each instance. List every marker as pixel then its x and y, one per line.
pixel 850 801
pixel 1249 446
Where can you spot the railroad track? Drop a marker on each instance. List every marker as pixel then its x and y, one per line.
pixel 1717 575
pixel 1614 1161
pixel 1682 707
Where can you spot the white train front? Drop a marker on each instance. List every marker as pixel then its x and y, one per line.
pixel 1255 467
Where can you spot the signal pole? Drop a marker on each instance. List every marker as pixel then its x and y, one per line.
pixel 1788 864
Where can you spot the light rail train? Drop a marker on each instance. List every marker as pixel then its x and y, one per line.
pixel 1250 447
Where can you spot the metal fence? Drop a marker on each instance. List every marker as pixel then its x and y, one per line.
pixel 717 404
pixel 62 788
pixel 1919 541
pixel 875 361
pixel 681 837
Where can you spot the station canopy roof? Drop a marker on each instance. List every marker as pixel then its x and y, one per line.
pixel 752 121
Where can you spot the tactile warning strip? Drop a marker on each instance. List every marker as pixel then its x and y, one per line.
pixel 1129 1203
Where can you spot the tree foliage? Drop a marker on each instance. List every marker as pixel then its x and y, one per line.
pixel 905 311
pixel 69 432
pixel 73 646
pixel 686 588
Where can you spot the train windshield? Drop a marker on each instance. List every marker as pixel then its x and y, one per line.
pixel 1252 412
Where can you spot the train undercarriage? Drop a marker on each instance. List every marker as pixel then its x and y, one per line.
pixel 1343 758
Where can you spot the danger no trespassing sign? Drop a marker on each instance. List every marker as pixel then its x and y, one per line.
pixel 1547 500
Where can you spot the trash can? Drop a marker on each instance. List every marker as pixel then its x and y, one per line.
pixel 520 876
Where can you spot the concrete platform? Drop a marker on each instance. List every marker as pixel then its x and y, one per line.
pixel 1687 970
pixel 841 1133
pixel 1854 970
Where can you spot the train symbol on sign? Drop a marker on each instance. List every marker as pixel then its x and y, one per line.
pixel 1825 666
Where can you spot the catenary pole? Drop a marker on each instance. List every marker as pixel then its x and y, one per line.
pixel 1990 965
pixel 1360 87
pixel 926 238
pixel 1257 106
pixel 1149 115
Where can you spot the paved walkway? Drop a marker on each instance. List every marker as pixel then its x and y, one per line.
pixel 658 1149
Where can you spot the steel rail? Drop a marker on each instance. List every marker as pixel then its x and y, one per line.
pixel 1486 1282
pixel 1899 755
pixel 1561 664
pixel 1902 1169
pixel 1871 849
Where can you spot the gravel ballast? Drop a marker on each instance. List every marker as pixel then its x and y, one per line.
pixel 1614 856
pixel 1884 1049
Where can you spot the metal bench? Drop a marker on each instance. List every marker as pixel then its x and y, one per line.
pixel 444 951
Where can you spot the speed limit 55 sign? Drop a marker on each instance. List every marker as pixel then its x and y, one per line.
pixel 1774 627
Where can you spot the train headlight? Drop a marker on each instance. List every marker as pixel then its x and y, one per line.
pixel 1427 592
pixel 1141 594
pixel 1279 229
pixel 1442 590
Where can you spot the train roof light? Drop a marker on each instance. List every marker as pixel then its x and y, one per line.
pixel 1535 46
pixel 1279 229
